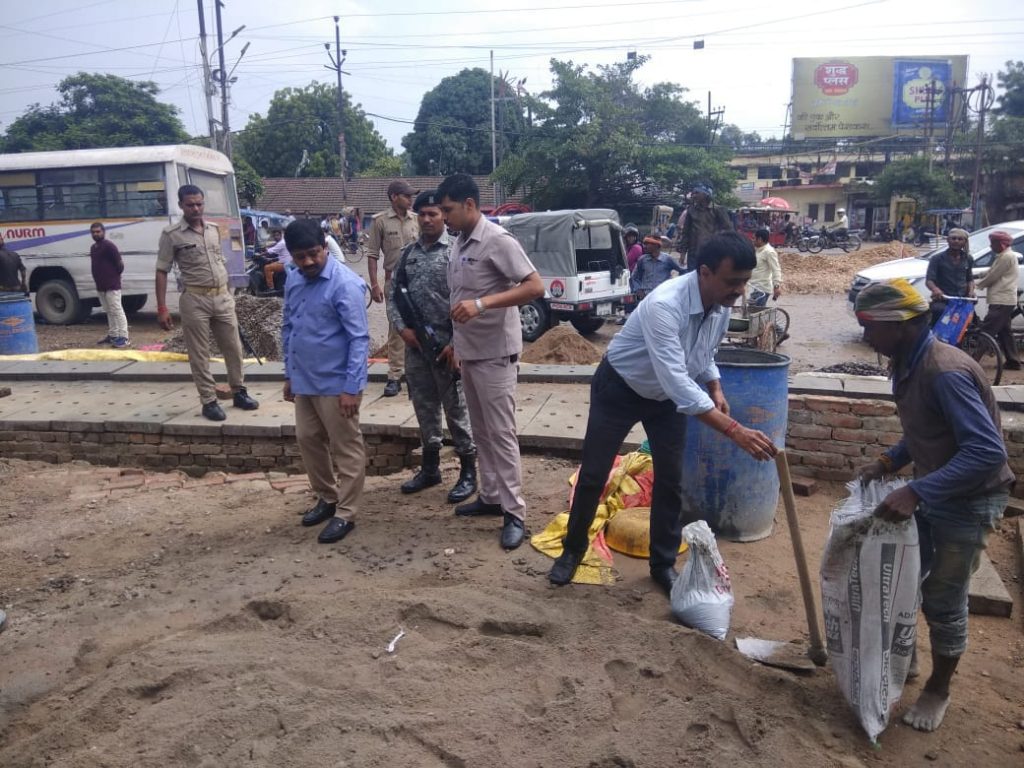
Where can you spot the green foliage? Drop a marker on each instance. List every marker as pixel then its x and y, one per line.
pixel 911 178
pixel 600 139
pixel 97 110
pixel 1011 80
pixel 306 120
pixel 734 137
pixel 248 182
pixel 389 165
pixel 452 132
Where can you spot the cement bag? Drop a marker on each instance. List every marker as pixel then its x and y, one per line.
pixel 869 586
pixel 702 595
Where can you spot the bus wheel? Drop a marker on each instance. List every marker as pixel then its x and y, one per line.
pixel 133 304
pixel 57 303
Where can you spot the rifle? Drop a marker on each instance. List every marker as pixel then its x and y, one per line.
pixel 247 345
pixel 412 317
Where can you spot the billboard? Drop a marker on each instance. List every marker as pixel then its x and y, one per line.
pixel 871 95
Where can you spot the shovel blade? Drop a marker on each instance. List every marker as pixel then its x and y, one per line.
pixel 775 653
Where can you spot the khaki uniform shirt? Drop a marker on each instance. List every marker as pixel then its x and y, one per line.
pixel 198 256
pixel 489 261
pixel 391 234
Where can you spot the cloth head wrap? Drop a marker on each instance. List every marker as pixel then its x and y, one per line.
pixel 705 188
pixel 893 300
pixel 959 232
pixel 652 241
pixel 1001 237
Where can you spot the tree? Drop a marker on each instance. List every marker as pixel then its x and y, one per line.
pixel 602 140
pixel 1011 80
pixel 299 135
pixel 389 165
pixel 97 110
pixel 452 132
pixel 734 137
pixel 248 182
pixel 911 178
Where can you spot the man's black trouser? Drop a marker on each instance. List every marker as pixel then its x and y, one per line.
pixel 614 411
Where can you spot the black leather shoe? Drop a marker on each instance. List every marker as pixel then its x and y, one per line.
pixel 466 484
pixel 242 400
pixel 664 578
pixel 321 511
pixel 478 508
pixel 213 411
pixel 424 478
pixel 565 566
pixel 512 532
pixel 336 529
pixel 392 388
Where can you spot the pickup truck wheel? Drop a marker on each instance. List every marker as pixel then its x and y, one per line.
pixel 535 319
pixel 587 325
pixel 57 303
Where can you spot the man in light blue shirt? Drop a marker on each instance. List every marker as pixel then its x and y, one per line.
pixel 660 369
pixel 326 342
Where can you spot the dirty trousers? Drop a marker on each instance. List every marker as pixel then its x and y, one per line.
pixel 614 411
pixel 201 316
pixel 490 387
pixel 997 325
pixel 395 345
pixel 433 387
pixel 117 321
pixel 332 451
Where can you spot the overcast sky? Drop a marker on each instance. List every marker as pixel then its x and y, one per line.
pixel 398 51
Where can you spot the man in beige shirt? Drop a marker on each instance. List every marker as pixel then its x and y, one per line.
pixel 391 231
pixel 489 277
pixel 1001 282
pixel 206 303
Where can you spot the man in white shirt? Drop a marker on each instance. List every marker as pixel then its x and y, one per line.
pixel 1001 282
pixel 842 225
pixel 766 279
pixel 659 369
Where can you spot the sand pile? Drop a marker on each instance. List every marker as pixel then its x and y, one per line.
pixel 259 319
pixel 833 272
pixel 562 345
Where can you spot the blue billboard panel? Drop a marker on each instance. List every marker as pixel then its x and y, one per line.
pixel 912 81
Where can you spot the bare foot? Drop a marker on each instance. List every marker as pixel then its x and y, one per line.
pixel 927 712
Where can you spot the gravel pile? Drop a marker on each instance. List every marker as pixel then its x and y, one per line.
pixel 260 321
pixel 854 369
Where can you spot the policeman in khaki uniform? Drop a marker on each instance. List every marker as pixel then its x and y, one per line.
pixel 390 232
pixel 419 308
pixel 206 304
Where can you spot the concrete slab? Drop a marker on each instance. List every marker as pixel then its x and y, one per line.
pixel 807 383
pixel 59 405
pixel 147 405
pixel 561 422
pixel 386 415
pixel 556 374
pixel 268 372
pixel 62 370
pixel 378 372
pixel 174 372
pixel 633 440
pixel 867 387
pixel 988 595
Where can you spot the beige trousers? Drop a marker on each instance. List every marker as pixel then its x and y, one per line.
pixel 395 345
pixel 332 451
pixel 201 315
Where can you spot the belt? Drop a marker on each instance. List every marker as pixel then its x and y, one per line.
pixel 199 290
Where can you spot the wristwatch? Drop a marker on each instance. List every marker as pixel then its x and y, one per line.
pixel 480 306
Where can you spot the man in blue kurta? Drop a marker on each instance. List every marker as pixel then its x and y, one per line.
pixel 326 342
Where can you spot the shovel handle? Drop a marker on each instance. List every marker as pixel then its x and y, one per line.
pixel 817 652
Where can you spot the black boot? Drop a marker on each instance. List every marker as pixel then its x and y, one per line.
pixel 466 485
pixel 428 475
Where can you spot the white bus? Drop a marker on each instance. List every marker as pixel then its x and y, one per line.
pixel 49 199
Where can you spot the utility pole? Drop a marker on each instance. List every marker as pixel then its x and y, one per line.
pixel 207 78
pixel 929 106
pixel 714 119
pixel 985 99
pixel 225 125
pixel 494 140
pixel 336 61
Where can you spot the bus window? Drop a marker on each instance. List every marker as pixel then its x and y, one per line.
pixel 218 190
pixel 18 204
pixel 70 193
pixel 134 190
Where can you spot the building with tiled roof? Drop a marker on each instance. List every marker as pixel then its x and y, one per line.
pixel 321 196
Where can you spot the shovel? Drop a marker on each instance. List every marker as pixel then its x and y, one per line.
pixel 773 652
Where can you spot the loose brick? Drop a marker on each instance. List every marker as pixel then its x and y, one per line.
pixel 832 419
pixel 803 486
pixel 813 431
pixel 133 481
pixel 245 477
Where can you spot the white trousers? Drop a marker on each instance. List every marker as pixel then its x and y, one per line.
pixel 117 321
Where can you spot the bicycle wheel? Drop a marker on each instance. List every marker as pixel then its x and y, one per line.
pixel 781 324
pixel 985 351
pixel 354 255
pixel 816 245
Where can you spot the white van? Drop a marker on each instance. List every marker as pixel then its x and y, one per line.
pixel 915 268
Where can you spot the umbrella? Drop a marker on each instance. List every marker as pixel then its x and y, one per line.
pixel 776 202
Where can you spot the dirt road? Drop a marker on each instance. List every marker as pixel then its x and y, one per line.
pixel 160 625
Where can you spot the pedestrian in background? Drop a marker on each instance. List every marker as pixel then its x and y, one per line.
pixel 206 305
pixel 391 231
pixel 1001 282
pixel 653 268
pixel 13 275
pixel 489 276
pixel 107 266
pixel 326 341
pixel 766 279
pixel 703 219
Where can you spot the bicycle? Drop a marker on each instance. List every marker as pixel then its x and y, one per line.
pixel 354 252
pixel 981 346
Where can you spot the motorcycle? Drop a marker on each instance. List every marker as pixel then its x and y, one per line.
pixel 848 241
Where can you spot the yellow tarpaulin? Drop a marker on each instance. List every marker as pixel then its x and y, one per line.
pixel 621 491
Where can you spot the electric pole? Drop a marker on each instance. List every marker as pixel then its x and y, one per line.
pixel 225 125
pixel 714 120
pixel 986 96
pixel 207 78
pixel 929 101
pixel 337 59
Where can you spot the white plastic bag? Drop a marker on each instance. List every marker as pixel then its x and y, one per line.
pixel 869 587
pixel 702 595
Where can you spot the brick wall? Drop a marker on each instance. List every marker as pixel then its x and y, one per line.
pixel 830 437
pixel 192 453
